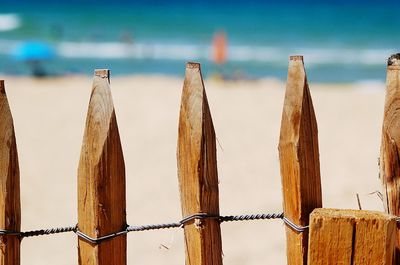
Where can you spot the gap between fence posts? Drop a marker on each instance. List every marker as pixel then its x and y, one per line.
pixel 197 171
pixel 101 180
pixel 390 145
pixel 299 160
pixel 10 205
pixel 351 237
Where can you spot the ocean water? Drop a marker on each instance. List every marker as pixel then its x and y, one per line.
pixel 342 41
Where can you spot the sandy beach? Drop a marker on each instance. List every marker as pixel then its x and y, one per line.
pixel 49 117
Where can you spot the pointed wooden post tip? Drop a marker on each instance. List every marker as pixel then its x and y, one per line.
pixel 192 65
pixel 296 58
pixel 299 159
pixel 390 143
pixel 193 82
pixel 102 73
pixel 197 171
pixel 101 180
pixel 394 60
pixel 10 206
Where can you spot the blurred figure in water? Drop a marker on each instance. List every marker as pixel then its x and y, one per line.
pixel 219 48
pixel 126 37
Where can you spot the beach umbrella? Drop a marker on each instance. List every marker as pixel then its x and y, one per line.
pixel 33 51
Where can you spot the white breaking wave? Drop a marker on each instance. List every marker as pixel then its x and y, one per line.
pixel 115 50
pixel 9 22
pixel 7 46
pixel 236 53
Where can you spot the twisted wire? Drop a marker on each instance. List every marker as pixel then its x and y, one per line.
pixel 138 228
pixel 50 231
pixel 184 221
pixel 232 218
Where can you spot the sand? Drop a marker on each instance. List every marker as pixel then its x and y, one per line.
pixel 49 116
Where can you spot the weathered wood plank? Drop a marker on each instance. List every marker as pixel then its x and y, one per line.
pixel 197 170
pixel 101 180
pixel 299 159
pixel 10 206
pixel 389 158
pixel 351 237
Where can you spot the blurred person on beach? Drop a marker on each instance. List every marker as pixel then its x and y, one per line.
pixel 219 48
pixel 220 57
pixel 219 53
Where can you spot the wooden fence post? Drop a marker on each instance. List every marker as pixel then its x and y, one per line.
pixel 299 160
pixel 197 170
pixel 101 180
pixel 10 206
pixel 390 145
pixel 351 237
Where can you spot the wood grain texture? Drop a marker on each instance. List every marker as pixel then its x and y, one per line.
pixel 101 180
pixel 197 170
pixel 299 159
pixel 10 206
pixel 351 237
pixel 389 158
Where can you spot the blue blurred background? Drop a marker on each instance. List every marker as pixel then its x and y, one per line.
pixel 342 41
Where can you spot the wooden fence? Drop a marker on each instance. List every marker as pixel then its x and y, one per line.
pixel 327 236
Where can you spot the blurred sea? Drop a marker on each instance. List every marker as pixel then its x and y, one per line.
pixel 341 41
